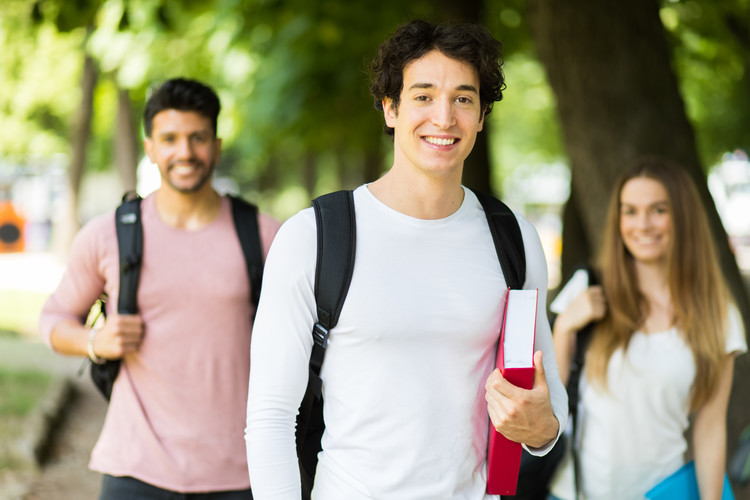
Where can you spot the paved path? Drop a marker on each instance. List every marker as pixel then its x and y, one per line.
pixel 64 474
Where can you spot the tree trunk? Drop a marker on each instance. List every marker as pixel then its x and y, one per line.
pixel 69 224
pixel 372 165
pixel 126 142
pixel 609 66
pixel 476 172
pixel 477 166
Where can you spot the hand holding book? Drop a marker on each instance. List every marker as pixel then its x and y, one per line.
pixel 518 399
pixel 529 407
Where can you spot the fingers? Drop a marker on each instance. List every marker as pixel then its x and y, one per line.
pixel 121 334
pixel 540 377
pixel 519 414
pixel 597 302
pixel 497 384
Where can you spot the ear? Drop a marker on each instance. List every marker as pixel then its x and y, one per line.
pixel 148 144
pixel 481 121
pixel 390 112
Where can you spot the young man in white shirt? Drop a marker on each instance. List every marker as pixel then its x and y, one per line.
pixel 408 376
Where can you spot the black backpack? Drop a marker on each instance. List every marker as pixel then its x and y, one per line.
pixel 130 247
pixel 336 229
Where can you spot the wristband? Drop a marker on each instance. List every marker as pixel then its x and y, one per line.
pixel 92 356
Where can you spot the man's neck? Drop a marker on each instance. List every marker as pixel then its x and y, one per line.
pixel 421 197
pixel 190 211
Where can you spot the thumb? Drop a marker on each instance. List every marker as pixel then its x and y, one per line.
pixel 540 378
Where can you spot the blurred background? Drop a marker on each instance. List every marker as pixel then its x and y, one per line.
pixel 591 85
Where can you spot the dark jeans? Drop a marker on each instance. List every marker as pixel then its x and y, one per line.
pixel 129 488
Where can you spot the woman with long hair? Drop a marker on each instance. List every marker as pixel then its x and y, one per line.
pixel 663 348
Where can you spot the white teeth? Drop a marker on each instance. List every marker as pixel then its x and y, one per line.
pixel 182 170
pixel 439 141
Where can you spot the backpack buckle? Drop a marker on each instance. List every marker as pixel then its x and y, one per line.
pixel 320 335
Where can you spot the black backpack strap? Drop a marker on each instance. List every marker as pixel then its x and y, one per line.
pixel 583 339
pixel 130 247
pixel 245 216
pixel 334 217
pixel 336 229
pixel 506 234
pixel 129 232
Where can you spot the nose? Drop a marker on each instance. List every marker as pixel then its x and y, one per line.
pixel 643 221
pixel 443 115
pixel 184 148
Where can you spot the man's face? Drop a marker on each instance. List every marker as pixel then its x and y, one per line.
pixel 437 120
pixel 184 147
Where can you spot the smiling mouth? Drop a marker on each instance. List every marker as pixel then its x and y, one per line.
pixel 440 141
pixel 185 167
pixel 647 240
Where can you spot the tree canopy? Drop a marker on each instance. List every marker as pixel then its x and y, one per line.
pixel 292 76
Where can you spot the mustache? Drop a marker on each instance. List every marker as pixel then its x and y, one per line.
pixel 194 162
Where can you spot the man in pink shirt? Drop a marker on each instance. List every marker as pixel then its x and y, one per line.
pixel 177 411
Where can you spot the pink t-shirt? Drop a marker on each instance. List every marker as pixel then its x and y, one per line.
pixel 177 413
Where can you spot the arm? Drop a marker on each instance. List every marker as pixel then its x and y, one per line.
pixel 710 436
pixel 538 416
pixel 589 306
pixel 93 254
pixel 279 355
pixel 120 335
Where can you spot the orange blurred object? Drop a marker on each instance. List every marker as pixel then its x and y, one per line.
pixel 11 228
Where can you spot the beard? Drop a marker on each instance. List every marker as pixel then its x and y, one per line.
pixel 205 171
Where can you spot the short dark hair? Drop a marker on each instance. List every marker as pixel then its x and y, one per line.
pixel 470 43
pixel 182 94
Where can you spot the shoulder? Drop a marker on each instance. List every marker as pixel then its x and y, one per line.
pixel 735 341
pixel 528 230
pixel 297 232
pixel 268 226
pixel 268 222
pixel 98 232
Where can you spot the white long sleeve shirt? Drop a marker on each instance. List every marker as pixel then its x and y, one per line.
pixel 405 369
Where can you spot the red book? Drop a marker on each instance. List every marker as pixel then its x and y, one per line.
pixel 515 359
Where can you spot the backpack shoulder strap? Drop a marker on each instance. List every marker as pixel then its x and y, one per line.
pixel 582 343
pixel 506 234
pixel 336 228
pixel 583 339
pixel 245 217
pixel 130 247
pixel 336 234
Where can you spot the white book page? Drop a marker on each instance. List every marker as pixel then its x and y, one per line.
pixel 520 322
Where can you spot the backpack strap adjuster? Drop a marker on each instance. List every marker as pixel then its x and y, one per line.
pixel 320 335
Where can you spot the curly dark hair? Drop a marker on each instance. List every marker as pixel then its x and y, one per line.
pixel 470 43
pixel 183 95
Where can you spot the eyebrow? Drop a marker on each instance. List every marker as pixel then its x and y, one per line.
pixel 654 204
pixel 469 88
pixel 167 133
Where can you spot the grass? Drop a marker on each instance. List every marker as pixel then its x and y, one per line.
pixel 20 393
pixel 19 310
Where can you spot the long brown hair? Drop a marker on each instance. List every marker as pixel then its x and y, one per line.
pixel 697 287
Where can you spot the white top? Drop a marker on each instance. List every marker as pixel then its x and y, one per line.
pixel 405 369
pixel 631 436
